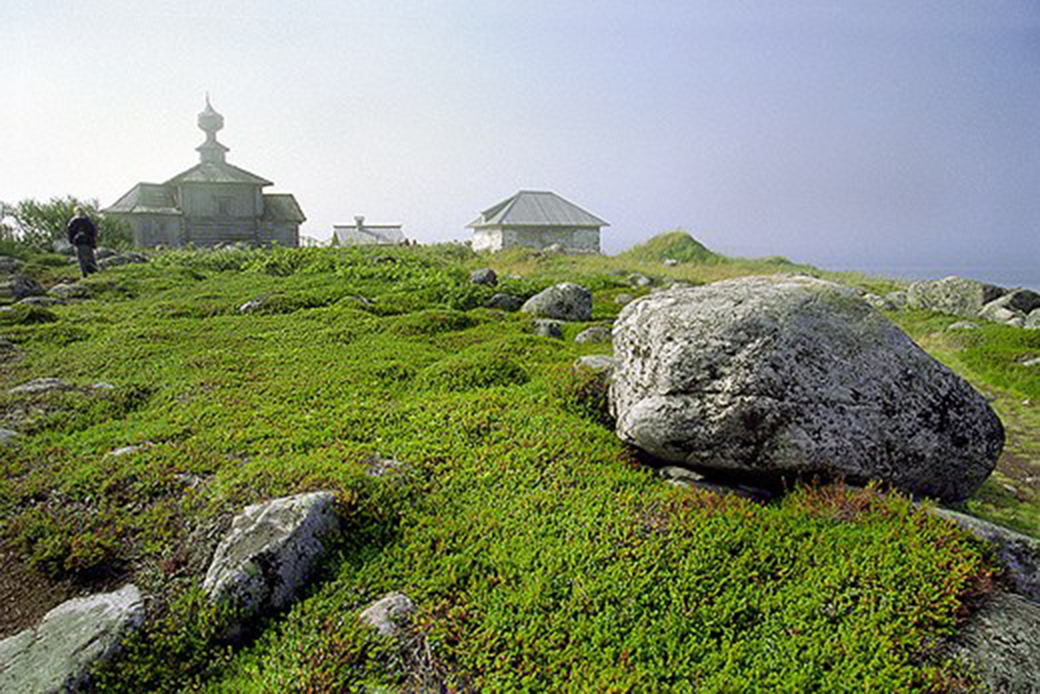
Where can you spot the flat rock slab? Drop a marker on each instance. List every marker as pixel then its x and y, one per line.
pixel 270 552
pixel 1002 639
pixel 384 614
pixel 763 378
pixel 40 385
pixel 55 655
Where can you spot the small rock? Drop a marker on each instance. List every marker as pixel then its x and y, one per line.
pixel 381 467
pixel 567 301
pixel 127 450
pixel 963 325
pixel 40 385
pixel 20 287
pixel 70 291
pixel 896 299
pixel 623 299
pixel 596 363
pixel 385 614
pixel 546 327
pixel 270 552
pixel 101 385
pixel 101 252
pixel 45 301
pixel 9 265
pixel 485 276
pixel 673 472
pixel 670 262
pixel 128 258
pixel 555 249
pixel 251 306
pixel 598 334
pixel 1034 361
pixel 7 437
pixel 638 279
pixel 1032 321
pixel 877 302
pixel 505 302
pixel 55 655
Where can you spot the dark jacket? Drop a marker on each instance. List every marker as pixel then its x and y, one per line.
pixel 82 232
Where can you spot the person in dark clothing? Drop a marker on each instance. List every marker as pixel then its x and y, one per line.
pixel 83 235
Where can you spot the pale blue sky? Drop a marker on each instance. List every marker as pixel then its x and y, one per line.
pixel 841 133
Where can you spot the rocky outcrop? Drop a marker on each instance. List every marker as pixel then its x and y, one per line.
pixel 765 378
pixel 55 655
pixel 1002 640
pixel 569 302
pixel 386 614
pixel 271 551
pixel 505 302
pixel 1013 308
pixel 1019 554
pixel 485 276
pixel 956 296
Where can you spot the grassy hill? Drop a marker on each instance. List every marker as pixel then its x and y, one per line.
pixel 541 556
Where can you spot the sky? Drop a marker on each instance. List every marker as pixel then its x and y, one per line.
pixel 851 134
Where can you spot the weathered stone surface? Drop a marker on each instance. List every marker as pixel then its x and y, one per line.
pixel 897 299
pixel 597 334
pixel 1024 301
pixel 1032 321
pixel 45 301
pixel 623 299
pixel 956 296
pixel 485 276
pixel 505 302
pixel 9 265
pixel 566 301
pixel 769 377
pixel 54 656
pixel 40 385
pixel 546 327
pixel 20 287
pixel 70 291
pixel 1020 554
pixel 963 325
pixel 638 279
pixel 1002 638
pixel 270 551
pixel 7 436
pixel 385 614
pixel 596 363
pixel 128 258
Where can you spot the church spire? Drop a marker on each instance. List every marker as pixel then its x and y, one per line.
pixel 210 122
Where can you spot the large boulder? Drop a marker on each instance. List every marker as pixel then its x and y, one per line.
pixel 771 377
pixel 565 301
pixel 271 551
pixel 1013 308
pixel 55 655
pixel 957 296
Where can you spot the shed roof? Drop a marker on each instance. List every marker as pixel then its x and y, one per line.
pixel 146 198
pixel 282 207
pixel 536 208
pixel 217 172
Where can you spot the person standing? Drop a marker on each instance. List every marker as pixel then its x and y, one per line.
pixel 83 235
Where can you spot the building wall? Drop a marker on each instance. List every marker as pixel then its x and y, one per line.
pixel 220 200
pixel 152 230
pixel 496 238
pixel 285 234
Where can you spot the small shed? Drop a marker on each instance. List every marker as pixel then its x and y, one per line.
pixel 368 234
pixel 536 219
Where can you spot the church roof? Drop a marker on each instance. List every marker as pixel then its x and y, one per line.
pixel 536 208
pixel 281 207
pixel 146 198
pixel 217 172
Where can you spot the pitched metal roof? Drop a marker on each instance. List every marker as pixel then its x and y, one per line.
pixel 536 208
pixel 217 172
pixel 146 198
pixel 281 207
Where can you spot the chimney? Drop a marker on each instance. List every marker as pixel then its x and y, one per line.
pixel 359 220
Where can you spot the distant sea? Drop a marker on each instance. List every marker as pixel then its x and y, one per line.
pixel 1009 276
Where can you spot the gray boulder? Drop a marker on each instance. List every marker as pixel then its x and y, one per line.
pixel 597 334
pixel 963 325
pixel 40 385
pixel 566 301
pixel 896 299
pixel 7 437
pixel 546 327
pixel 623 299
pixel 771 377
pixel 878 302
pixel 1011 309
pixel 20 287
pixel 45 301
pixel 1002 640
pixel 251 306
pixel 386 614
pixel 270 552
pixel 956 296
pixel 505 302
pixel 1032 321
pixel 70 291
pixel 638 279
pixel 1020 554
pixel 55 655
pixel 9 265
pixel 485 276
pixel 128 258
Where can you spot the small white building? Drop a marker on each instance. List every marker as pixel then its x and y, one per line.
pixel 536 219
pixel 367 234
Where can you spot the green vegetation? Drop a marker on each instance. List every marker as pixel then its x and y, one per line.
pixel 541 555
pixel 35 225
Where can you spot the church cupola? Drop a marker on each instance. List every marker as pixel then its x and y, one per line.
pixel 210 122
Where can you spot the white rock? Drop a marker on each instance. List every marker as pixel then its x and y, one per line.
pixel 385 614
pixel 41 385
pixel 569 302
